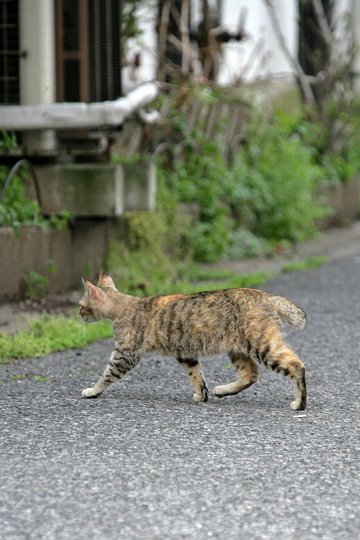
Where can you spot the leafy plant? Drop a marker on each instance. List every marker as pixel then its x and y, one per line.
pixel 58 221
pixel 265 197
pixel 17 209
pixel 8 142
pixel 245 244
pixel 197 179
pixel 36 285
pixel 272 187
pixel 334 143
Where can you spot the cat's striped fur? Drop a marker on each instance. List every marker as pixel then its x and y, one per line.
pixel 245 323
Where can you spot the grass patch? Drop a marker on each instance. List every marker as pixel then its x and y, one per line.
pixel 47 334
pixel 308 264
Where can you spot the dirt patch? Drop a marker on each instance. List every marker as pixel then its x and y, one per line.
pixel 16 315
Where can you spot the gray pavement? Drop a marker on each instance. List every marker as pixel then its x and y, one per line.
pixel 144 461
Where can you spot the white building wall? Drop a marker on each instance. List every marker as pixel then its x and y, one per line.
pixel 260 55
pixel 238 59
pixel 146 46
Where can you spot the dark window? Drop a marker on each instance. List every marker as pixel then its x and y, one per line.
pixel 9 52
pixel 71 25
pixel 104 50
pixel 88 50
pixel 313 54
pixel 72 80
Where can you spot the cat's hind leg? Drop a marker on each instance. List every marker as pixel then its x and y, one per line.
pixel 192 367
pixel 284 361
pixel 120 364
pixel 247 373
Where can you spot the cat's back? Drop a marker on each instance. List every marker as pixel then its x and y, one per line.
pixel 210 305
pixel 214 298
pixel 205 322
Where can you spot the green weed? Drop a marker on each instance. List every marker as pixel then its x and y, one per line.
pixel 47 334
pixel 17 377
pixel 40 378
pixel 307 264
pixel 35 285
pixel 17 209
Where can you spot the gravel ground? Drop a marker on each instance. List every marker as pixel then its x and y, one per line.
pixel 144 461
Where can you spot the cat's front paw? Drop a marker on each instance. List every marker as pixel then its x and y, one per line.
pixel 219 391
pixel 89 393
pixel 298 405
pixel 204 396
pixel 200 397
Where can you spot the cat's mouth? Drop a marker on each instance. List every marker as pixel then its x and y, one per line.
pixel 86 314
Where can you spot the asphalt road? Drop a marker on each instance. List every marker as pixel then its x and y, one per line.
pixel 144 461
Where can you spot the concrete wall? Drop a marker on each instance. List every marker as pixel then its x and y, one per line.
pixel 96 195
pixel 102 190
pixel 343 200
pixel 76 251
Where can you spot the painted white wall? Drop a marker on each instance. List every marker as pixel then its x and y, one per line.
pixel 270 61
pixel 145 45
pixel 240 59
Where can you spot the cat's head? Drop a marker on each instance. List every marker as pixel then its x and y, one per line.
pixel 97 301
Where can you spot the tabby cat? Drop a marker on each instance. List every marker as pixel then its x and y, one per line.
pixel 245 323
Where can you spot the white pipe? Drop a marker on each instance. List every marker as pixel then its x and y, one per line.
pixel 77 115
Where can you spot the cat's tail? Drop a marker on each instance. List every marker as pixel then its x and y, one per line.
pixel 288 311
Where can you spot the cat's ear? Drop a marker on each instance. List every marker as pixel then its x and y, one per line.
pixel 106 281
pixel 91 290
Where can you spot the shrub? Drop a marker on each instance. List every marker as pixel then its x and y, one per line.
pixel 197 177
pixel 266 196
pixel 271 187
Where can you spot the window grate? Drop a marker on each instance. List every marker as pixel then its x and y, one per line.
pixel 71 25
pixel 9 52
